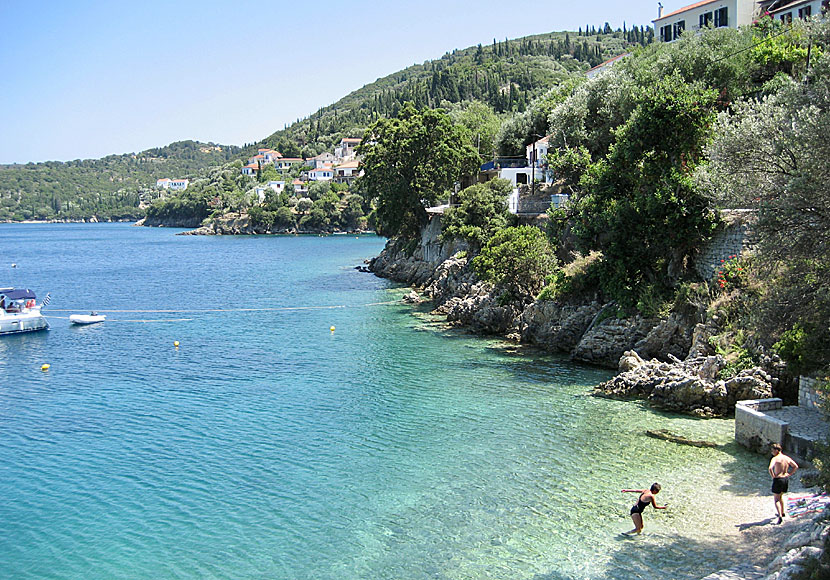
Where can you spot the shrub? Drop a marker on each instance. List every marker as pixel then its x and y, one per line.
pixel 518 258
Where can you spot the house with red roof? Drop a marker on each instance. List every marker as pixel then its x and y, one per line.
pixel 708 13
pixel 250 170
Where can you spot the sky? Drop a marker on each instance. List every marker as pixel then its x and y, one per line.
pixel 85 79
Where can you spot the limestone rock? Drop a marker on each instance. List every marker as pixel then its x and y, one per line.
pixel 686 387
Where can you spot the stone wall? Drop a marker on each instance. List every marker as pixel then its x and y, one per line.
pixel 754 429
pixel 808 393
pixel 735 239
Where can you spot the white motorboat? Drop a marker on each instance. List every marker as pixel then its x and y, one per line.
pixel 20 312
pixel 91 318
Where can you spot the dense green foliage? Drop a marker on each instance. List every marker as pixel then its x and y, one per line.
pixel 518 259
pixel 480 211
pixel 771 154
pixel 639 205
pixel 410 161
pixel 626 145
pixel 108 188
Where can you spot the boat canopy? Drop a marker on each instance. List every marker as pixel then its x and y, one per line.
pixel 17 294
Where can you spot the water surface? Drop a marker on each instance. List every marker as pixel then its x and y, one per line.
pixel 268 446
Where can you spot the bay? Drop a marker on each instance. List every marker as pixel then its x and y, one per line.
pixel 267 445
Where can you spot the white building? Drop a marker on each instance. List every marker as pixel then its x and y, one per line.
pixel 787 10
pixel 714 13
pixel 163 183
pixel 345 151
pixel 179 184
pixel 321 160
pixel 285 163
pixel 250 170
pixel 321 174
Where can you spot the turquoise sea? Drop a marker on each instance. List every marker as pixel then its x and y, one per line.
pixel 267 446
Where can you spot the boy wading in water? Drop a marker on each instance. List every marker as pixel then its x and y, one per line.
pixel 779 469
pixel 646 497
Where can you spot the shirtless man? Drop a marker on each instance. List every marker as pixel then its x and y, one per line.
pixel 779 469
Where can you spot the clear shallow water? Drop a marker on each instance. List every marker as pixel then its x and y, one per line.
pixel 266 446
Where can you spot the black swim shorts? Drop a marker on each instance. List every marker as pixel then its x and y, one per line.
pixel 780 484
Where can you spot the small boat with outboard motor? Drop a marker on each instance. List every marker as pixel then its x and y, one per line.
pixel 91 318
pixel 20 311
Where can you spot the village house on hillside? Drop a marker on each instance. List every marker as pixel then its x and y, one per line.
pixel 172 184
pixel 342 166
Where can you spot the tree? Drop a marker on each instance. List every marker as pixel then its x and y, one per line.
pixel 411 161
pixel 772 155
pixel 304 204
pixel 517 258
pixel 639 206
pixel 482 125
pixel 482 210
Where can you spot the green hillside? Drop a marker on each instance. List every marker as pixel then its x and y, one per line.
pixel 506 75
pixel 108 188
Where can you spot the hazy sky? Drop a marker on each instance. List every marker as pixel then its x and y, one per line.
pixel 83 79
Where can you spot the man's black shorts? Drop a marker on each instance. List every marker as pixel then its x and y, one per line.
pixel 780 484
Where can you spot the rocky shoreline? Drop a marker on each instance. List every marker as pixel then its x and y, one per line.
pixel 667 361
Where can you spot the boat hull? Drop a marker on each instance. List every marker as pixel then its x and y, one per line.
pixel 18 323
pixel 86 318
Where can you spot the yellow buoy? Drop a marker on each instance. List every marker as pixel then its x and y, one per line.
pixel 44 367
pixel 176 343
pixel 332 329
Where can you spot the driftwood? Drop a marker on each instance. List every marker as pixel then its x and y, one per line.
pixel 669 436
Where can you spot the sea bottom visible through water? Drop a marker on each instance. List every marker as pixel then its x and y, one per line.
pixel 309 425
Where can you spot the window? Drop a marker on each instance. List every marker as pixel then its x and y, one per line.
pixel 679 27
pixel 787 18
pixel 706 19
pixel 665 33
pixel 805 12
pixel 721 17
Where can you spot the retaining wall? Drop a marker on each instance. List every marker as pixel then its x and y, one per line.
pixel 754 429
pixel 735 239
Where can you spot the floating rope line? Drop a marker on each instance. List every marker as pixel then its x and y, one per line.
pixel 213 310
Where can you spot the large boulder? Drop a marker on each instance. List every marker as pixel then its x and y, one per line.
pixel 689 386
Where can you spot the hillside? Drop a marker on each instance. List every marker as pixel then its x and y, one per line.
pixel 506 75
pixel 108 188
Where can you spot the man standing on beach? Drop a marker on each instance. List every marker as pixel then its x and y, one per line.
pixel 779 469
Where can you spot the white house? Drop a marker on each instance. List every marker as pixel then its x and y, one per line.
pixel 258 158
pixel 179 184
pixel 321 160
pixel 270 156
pixel 285 163
pixel 537 152
pixel 250 170
pixel 714 13
pixel 163 183
pixel 321 174
pixel 347 172
pixel 277 186
pixel 345 150
pixel 787 10
pixel 300 188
